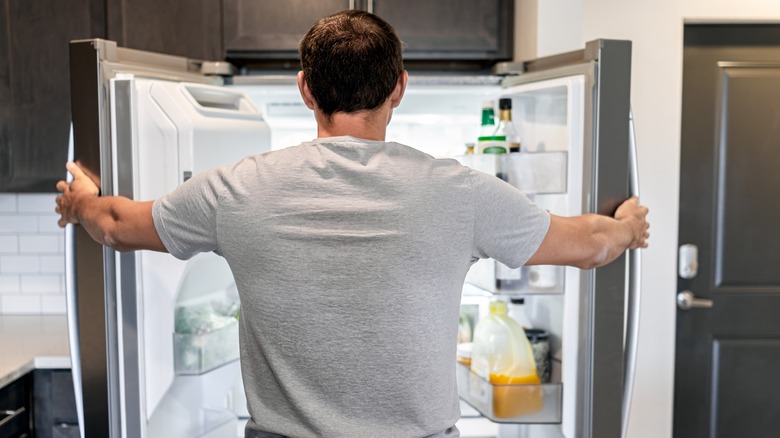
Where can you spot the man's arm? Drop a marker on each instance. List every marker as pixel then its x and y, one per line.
pixel 114 221
pixel 592 240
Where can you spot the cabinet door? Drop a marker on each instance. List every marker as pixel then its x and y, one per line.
pixel 15 408
pixel 189 28
pixel 451 29
pixel 272 29
pixel 54 404
pixel 35 88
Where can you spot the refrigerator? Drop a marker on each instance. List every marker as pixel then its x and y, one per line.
pixel 146 364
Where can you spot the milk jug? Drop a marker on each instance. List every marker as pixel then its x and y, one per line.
pixel 503 356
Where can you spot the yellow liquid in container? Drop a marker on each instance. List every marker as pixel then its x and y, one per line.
pixel 503 356
pixel 511 398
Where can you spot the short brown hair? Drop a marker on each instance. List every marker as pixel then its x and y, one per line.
pixel 351 61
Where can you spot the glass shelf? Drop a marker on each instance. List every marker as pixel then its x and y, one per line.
pixel 523 404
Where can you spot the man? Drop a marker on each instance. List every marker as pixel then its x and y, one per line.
pixel 349 252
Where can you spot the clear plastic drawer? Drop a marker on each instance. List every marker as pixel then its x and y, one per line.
pixel 199 353
pixel 531 172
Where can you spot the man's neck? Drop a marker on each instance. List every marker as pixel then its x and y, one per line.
pixel 368 125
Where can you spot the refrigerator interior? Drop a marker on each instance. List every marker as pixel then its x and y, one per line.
pixel 549 117
pixel 187 350
pixel 200 399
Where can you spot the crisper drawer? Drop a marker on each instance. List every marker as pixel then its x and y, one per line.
pixel 526 404
pixel 200 353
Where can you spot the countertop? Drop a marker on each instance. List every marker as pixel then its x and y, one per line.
pixel 30 342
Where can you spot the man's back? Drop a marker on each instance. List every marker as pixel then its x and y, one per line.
pixel 349 256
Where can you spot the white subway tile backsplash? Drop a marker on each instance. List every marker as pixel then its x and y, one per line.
pixel 32 261
pixel 54 264
pixel 20 305
pixel 19 264
pixel 10 284
pixel 36 202
pixel 7 203
pixel 48 223
pixel 53 305
pixel 39 243
pixel 42 284
pixel 18 223
pixel 9 244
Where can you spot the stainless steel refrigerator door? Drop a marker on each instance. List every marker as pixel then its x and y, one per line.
pixel 93 63
pixel 606 66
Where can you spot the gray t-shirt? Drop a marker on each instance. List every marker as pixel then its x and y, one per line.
pixel 349 257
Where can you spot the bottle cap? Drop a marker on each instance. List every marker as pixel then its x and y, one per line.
pixel 505 103
pixel 488 104
pixel 497 307
pixel 536 335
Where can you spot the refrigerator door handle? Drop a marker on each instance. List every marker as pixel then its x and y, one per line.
pixel 634 292
pixel 71 305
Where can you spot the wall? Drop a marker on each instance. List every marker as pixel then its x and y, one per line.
pixel 31 255
pixel 656 29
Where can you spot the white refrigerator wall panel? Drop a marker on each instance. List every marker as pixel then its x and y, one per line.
pixel 179 130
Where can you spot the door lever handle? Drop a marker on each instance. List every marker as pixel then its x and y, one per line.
pixel 687 300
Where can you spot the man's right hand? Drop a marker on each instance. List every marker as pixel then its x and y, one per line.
pixel 634 216
pixel 593 240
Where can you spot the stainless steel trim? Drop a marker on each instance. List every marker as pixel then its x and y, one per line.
pixel 370 7
pixel 291 79
pixel 71 312
pixel 11 415
pixel 610 181
pixel 686 300
pixel 351 4
pixel 96 309
pixel 124 162
pixel 634 294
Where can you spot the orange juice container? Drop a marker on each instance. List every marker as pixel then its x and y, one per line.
pixel 502 355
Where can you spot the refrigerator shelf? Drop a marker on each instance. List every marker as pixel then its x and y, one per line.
pixel 198 354
pixel 520 404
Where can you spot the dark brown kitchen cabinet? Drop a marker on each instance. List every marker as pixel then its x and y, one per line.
pixel 272 29
pixel 34 87
pixel 447 32
pixel 16 408
pixel 458 30
pixel 191 28
pixel 54 404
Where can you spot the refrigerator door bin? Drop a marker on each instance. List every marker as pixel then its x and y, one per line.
pixel 534 280
pixel 531 172
pixel 200 353
pixel 524 404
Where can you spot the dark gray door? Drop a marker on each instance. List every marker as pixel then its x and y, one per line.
pixel 727 375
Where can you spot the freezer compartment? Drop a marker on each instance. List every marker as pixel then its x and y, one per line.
pixel 531 172
pixel 200 353
pixel 526 404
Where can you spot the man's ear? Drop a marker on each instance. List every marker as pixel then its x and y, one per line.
pixel 400 88
pixel 303 87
